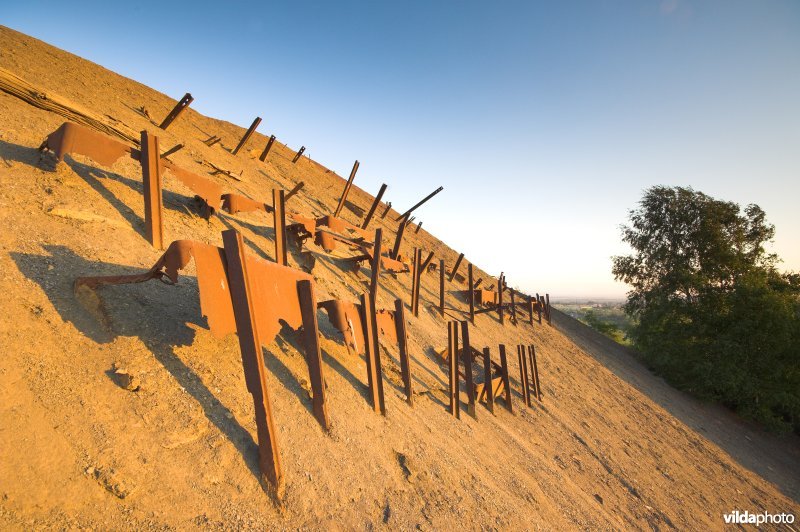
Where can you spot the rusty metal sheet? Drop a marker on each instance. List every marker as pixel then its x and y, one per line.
pixel 485 297
pixel 343 227
pixel 72 138
pixel 346 317
pixel 234 203
pixel 206 190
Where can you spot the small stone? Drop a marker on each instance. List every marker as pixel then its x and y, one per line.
pixel 126 380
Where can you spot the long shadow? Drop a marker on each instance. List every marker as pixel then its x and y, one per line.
pixel 147 311
pixel 775 458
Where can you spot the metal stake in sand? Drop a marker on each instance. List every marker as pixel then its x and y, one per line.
pixel 177 110
pixel 247 135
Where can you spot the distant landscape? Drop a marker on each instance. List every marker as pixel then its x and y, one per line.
pixel 603 315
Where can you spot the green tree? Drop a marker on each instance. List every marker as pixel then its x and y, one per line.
pixel 713 315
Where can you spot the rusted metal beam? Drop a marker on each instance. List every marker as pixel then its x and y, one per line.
pixel 298 154
pixel 419 204
pixel 252 358
pixel 477 283
pixel 539 306
pixel 532 373
pixel 398 240
pixel 523 374
pixel 426 261
pixel 455 268
pixel 153 200
pixel 500 283
pixel 247 135
pixel 402 343
pixel 346 190
pixel 374 283
pixel 530 310
pixel 419 226
pixel 374 206
pixel 441 287
pixel 172 150
pixel 532 351
pixel 177 110
pixel 386 211
pixel 308 310
pixel 416 274
pixel 487 379
pixel 467 355
pixel 452 354
pixel 513 308
pixel 547 309
pixel 471 294
pixel 279 218
pixel 506 380
pixel 270 142
pixel 373 354
pixel 294 191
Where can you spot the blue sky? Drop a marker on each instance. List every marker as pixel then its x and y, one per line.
pixel 544 121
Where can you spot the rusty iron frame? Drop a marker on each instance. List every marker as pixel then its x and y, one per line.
pixel 419 204
pixel 374 206
pixel 455 268
pixel 298 154
pixel 153 198
pixel 506 379
pixel 182 104
pixel 468 360
pixel 346 190
pixel 386 211
pixel 247 135
pixel 279 219
pixel 267 148
pixel 452 354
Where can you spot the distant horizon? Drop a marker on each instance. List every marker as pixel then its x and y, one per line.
pixel 544 122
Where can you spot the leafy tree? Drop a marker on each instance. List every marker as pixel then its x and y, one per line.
pixel 713 315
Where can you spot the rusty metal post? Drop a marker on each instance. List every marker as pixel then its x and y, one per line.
pixel 373 355
pixel 513 308
pixel 506 380
pixel 415 278
pixel 530 310
pixel 270 142
pixel 308 310
pixel 279 218
pixel 523 375
pixel 426 262
pixel 298 154
pixel 177 110
pixel 547 309
pixel 536 372
pixel 539 307
pixel 455 268
pixel 374 281
pixel 419 226
pixel 488 385
pixel 500 283
pixel 247 135
pixel 252 358
pixel 346 190
pixel 468 363
pixel 294 191
pixel 386 211
pixel 402 343
pixel 441 287
pixel 398 240
pixel 374 206
pixel 174 149
pixel 471 293
pixel 426 198
pixel 532 373
pixel 452 350
pixel 153 200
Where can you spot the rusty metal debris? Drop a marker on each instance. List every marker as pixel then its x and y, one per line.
pixel 172 150
pixel 294 190
pixel 419 226
pixel 267 148
pixel 455 268
pixel 212 140
pixel 386 211
pixel 398 240
pixel 153 198
pixel 177 110
pixel 346 190
pixel 219 170
pixel 235 203
pixel 419 204
pixel 279 222
pixel 374 206
pixel 247 135
pixel 298 154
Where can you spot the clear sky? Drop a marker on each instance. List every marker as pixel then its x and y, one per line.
pixel 544 121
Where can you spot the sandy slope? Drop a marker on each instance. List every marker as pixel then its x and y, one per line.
pixel 76 449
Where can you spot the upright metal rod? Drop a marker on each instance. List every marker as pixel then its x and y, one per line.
pixel 415 207
pixel 471 294
pixel 506 380
pixel 402 342
pixel 298 154
pixel 376 268
pixel 247 135
pixel 177 110
pixel 268 147
pixel 452 352
pixel 441 287
pixel 308 311
pixel 455 268
pixel 488 385
pixel 386 211
pixel 153 200
pixel 279 218
pixel 346 190
pixel 500 283
pixel 374 206
pixel 398 240
pixel 468 363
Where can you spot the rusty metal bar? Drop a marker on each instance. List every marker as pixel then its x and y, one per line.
pixel 477 283
pixel 471 294
pixel 532 378
pixel 153 200
pixel 294 191
pixel 523 375
pixel 172 150
pixel 416 274
pixel 308 310
pixel 247 135
pixel 455 268
pixel 386 211
pixel 373 355
pixel 536 372
pixel 419 226
pixel 452 352
pixel 298 154
pixel 419 204
pixel 488 386
pixel 374 206
pixel 402 344
pixel 279 218
pixel 513 308
pixel 547 309
pixel 500 283
pixel 468 363
pixel 441 287
pixel 539 307
pixel 506 380
pixel 177 110
pixel 346 190
pixel 398 240
pixel 252 358
pixel 374 283
pixel 530 310
pixel 270 142
pixel 426 261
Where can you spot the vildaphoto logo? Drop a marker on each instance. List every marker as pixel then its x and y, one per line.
pixel 737 517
